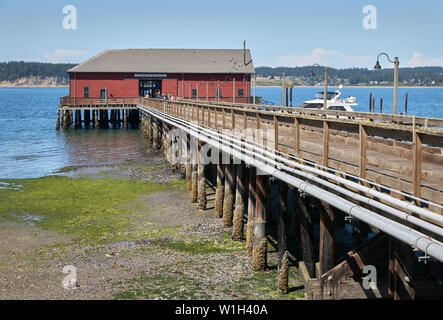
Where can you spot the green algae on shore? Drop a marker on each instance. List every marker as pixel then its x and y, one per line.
pixel 85 209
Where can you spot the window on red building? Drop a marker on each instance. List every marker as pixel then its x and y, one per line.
pixel 85 92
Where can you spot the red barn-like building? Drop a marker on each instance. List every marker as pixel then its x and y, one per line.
pixel 211 74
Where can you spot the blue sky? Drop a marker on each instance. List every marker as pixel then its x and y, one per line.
pixel 278 32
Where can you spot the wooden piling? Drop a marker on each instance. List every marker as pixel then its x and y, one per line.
pixel 194 183
pixel 401 270
pixel 228 200
pixel 406 104
pixel 202 200
pixel 306 235
pixel 220 190
pixel 251 211
pixel 57 126
pixel 259 254
pixel 239 211
pixel 327 235
pixel 188 165
pixel 282 221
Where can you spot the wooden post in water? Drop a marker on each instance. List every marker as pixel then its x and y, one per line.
pixel 381 105
pixel 125 119
pixel 370 101
pixel 287 96
pixel 57 126
pixel 239 211
pixel 406 104
pixel 95 119
pixel 290 95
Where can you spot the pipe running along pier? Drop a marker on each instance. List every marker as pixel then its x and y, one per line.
pixel 382 172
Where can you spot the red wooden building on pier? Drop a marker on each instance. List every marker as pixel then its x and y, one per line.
pixel 202 74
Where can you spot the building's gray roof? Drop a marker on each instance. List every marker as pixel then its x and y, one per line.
pixel 169 61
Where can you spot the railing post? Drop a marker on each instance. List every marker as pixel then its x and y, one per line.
pixel 416 178
pixel 325 143
pixel 275 132
pixel 233 119
pixel 363 146
pixel 297 136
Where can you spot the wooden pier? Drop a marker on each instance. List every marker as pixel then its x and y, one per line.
pixel 387 170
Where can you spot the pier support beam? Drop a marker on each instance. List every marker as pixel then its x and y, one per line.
pixel 202 200
pixel 228 200
pixel 259 254
pixel 57 126
pixel 220 190
pixel 306 235
pixel 251 211
pixel 401 270
pixel 95 119
pixel 327 236
pixel 239 211
pixel 282 221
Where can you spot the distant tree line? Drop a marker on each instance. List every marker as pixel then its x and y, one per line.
pixel 355 76
pixel 14 70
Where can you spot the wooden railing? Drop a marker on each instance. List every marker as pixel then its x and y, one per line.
pixel 400 152
pixel 81 101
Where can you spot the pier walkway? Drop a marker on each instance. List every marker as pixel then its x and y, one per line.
pixel 383 171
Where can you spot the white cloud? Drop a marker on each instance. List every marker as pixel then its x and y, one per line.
pixel 419 60
pixel 331 58
pixel 66 56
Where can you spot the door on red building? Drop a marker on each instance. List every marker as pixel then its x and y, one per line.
pixel 150 88
pixel 103 95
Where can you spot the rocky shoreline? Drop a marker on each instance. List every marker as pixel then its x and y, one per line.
pixel 36 82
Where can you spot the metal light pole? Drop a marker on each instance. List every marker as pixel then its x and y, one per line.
pixel 325 95
pixel 396 63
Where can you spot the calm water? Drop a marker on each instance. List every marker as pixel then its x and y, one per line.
pixel 31 147
pixel 424 102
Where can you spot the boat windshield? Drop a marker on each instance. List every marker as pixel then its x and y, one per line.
pixel 331 95
pixel 312 105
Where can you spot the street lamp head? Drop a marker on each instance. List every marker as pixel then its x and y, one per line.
pixel 377 66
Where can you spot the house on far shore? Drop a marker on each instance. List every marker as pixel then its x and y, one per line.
pixel 213 74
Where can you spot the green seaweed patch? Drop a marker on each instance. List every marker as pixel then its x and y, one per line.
pixel 92 209
pixel 200 247
pixel 165 282
pixel 263 285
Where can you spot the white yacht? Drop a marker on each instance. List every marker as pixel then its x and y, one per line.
pixel 334 101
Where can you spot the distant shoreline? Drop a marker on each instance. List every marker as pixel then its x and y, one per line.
pixel 34 86
pixel 363 87
pixel 318 87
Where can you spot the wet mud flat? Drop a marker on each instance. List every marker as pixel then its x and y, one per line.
pixel 130 231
